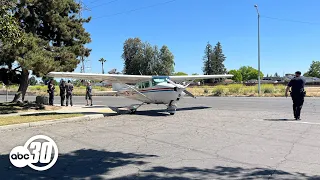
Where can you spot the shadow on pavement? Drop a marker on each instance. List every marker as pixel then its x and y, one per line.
pixel 154 113
pixel 279 120
pixel 78 164
pixel 89 164
pixel 218 172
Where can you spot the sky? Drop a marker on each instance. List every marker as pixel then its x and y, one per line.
pixel 289 32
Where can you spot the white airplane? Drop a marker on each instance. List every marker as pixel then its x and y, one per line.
pixel 146 89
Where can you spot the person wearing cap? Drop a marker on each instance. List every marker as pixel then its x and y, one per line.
pixel 297 93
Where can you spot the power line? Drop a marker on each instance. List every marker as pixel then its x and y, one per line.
pixel 103 3
pixel 137 9
pixel 289 20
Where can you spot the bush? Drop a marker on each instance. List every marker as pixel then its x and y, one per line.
pixel 219 90
pixel 267 88
pixel 235 88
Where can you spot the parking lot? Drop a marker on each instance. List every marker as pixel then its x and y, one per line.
pixel 208 138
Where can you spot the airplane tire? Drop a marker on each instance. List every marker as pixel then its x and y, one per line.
pixel 133 111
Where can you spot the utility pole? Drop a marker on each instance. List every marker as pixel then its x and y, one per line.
pixel 259 84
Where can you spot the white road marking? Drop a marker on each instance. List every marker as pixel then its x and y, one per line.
pixel 290 121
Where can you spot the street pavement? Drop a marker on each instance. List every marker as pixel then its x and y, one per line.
pixel 208 138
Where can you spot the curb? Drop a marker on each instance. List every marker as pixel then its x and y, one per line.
pixel 49 122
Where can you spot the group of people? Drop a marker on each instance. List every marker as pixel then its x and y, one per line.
pixel 66 90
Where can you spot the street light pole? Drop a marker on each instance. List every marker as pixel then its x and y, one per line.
pixel 259 88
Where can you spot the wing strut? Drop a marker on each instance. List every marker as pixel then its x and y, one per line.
pixel 138 92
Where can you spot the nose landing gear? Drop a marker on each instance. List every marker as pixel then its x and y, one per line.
pixel 172 108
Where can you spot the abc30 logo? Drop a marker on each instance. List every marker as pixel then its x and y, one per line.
pixel 35 152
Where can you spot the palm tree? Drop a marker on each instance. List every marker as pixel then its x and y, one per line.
pixel 102 61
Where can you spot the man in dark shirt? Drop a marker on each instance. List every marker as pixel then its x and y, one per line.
pixel 51 89
pixel 297 93
pixel 69 89
pixel 89 94
pixel 62 92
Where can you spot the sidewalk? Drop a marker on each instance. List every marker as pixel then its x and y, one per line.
pixel 86 110
pixel 89 113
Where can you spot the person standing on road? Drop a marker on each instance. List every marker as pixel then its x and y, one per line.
pixel 62 92
pixel 69 89
pixel 89 94
pixel 297 93
pixel 51 92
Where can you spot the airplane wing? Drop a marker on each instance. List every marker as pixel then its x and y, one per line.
pixel 113 78
pixel 192 78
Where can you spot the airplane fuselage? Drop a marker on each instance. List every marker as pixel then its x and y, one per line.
pixel 157 91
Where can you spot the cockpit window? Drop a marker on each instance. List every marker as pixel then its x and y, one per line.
pixel 159 79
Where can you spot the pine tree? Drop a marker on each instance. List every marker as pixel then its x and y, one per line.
pixel 207 60
pixel 218 59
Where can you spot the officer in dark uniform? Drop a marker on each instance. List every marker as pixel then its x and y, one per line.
pixel 62 92
pixel 297 93
pixel 69 89
pixel 51 92
pixel 89 94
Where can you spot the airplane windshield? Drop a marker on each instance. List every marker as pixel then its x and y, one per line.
pixel 157 80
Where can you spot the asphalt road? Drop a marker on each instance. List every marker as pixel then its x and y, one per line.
pixel 208 138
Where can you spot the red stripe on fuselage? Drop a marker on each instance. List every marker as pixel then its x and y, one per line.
pixel 143 90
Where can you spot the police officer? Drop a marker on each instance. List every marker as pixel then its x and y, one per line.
pixel 51 92
pixel 62 92
pixel 297 93
pixel 89 94
pixel 69 89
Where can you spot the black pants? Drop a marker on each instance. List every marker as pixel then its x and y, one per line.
pixel 298 100
pixel 69 96
pixel 51 98
pixel 63 97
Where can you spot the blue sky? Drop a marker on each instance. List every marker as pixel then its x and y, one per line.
pixel 185 26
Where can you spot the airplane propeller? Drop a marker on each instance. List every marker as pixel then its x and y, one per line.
pixel 181 87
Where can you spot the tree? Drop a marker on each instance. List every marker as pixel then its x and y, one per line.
pixel 102 61
pixel 166 61
pixel 132 54
pixel 237 76
pixel 276 75
pixel 314 70
pixel 249 73
pixel 54 39
pixel 32 81
pixel 143 58
pixel 218 59
pixel 180 74
pixel 214 60
pixel 207 60
pixel 10 32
